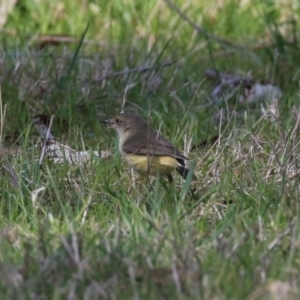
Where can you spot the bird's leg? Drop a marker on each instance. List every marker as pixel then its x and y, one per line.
pixel 170 178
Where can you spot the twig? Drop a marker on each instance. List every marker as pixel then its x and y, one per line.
pixel 45 141
pixel 86 209
pixel 58 39
pixel 132 177
pixel 279 237
pixel 134 70
pixel 34 194
pixel 40 124
pixel 176 275
pixel 199 28
pixel 128 87
pixel 7 166
pixel 2 115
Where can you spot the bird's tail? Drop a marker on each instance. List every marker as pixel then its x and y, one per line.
pixel 184 172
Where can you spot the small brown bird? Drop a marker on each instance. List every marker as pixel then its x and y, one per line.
pixel 144 149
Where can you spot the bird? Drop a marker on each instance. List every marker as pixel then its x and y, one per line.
pixel 145 149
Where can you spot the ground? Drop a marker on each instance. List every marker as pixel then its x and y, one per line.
pixel 95 230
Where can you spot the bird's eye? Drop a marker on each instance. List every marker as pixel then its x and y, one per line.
pixel 118 121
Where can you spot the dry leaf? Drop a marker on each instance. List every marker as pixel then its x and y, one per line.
pixel 244 87
pixel 6 7
pixel 61 153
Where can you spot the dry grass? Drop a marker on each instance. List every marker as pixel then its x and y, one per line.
pixel 94 230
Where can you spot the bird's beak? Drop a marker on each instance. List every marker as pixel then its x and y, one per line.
pixel 108 122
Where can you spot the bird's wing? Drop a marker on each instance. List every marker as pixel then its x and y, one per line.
pixel 160 146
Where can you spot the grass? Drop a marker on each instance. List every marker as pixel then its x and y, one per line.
pixel 94 230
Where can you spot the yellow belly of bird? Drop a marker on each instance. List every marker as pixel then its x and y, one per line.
pixel 151 165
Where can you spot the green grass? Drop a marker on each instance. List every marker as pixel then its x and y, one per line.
pixel 94 230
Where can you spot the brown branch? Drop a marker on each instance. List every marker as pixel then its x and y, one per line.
pixel 199 28
pixel 46 138
pixel 13 177
pixel 134 70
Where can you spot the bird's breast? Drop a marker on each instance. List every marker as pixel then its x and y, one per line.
pixel 151 164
